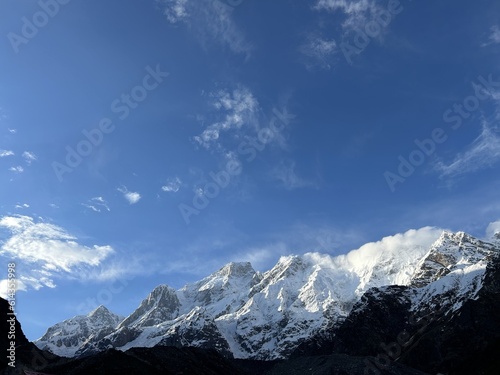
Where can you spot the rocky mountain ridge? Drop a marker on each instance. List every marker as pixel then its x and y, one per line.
pixel 247 314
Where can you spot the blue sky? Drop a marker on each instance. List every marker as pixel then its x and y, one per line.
pixel 149 142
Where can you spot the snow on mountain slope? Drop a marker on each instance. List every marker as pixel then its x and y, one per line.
pixel 222 292
pixel 452 251
pixel 392 260
pixel 247 314
pixel 162 304
pixel 302 294
pixel 496 238
pixel 451 272
pixel 67 337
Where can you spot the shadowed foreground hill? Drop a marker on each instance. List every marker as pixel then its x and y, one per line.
pixel 171 360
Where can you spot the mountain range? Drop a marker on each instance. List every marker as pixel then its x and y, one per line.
pixel 315 304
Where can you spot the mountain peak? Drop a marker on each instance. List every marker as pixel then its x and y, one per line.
pixel 450 251
pixel 291 264
pixel 455 237
pixel 237 269
pixel 101 310
pixel 160 291
pixel 67 337
pixel 160 305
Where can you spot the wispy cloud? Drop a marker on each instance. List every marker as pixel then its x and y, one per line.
pixel 357 12
pixel 97 204
pixel 494 37
pixel 17 169
pixel 4 153
pixel 130 196
pixel 29 157
pixel 46 251
pixel 318 52
pixel 238 109
pixel 210 21
pixel 286 174
pixel 483 152
pixel 3 116
pixel 21 206
pixel 360 22
pixel 176 10
pixel 12 131
pixel 173 185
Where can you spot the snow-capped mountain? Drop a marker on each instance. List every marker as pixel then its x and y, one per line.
pixel 246 314
pixel 447 324
pixel 162 304
pixel 67 337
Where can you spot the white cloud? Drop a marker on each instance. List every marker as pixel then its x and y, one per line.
pixel 27 282
pixel 29 157
pixel 24 205
pixel 4 153
pixel 210 21
pixel 96 204
pixel 130 196
pixel 17 169
pixel 89 206
pixel 239 109
pixel 407 248
pixel 12 131
pixel 423 238
pixel 483 152
pixel 173 185
pixel 46 251
pixel 319 52
pixel 404 248
pixel 5 288
pixel 492 229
